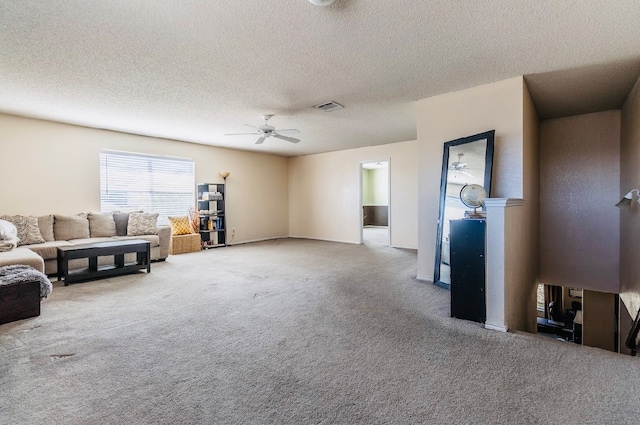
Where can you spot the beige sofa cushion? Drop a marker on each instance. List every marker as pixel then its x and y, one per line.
pixel 47 250
pixel 27 226
pixel 67 227
pixel 45 224
pixel 90 240
pixel 22 256
pixel 101 225
pixel 154 239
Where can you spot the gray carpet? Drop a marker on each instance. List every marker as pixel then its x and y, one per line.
pixel 375 236
pixel 293 332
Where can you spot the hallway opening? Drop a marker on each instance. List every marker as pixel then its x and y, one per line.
pixel 374 201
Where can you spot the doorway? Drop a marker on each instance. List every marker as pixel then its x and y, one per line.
pixel 375 219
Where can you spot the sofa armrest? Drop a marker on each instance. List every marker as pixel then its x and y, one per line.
pixel 164 234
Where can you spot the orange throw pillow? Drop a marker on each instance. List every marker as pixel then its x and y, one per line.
pixel 180 226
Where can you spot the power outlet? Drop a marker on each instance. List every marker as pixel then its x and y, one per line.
pixel 233 231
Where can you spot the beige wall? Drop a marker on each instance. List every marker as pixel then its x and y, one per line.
pixel 324 193
pixel 375 187
pixel 579 180
pixel 50 167
pixel 522 313
pixel 451 116
pixel 629 220
pixel 506 107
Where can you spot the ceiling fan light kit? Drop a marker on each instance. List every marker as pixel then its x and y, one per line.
pixel 630 200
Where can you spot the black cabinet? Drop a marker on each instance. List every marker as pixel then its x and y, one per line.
pixel 211 213
pixel 467 238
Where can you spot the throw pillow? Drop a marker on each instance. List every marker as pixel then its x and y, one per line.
pixel 101 225
pixel 27 226
pixel 68 227
pixel 121 219
pixel 45 224
pixel 180 226
pixel 142 224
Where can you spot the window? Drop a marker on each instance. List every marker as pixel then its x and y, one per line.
pixel 540 304
pixel 131 181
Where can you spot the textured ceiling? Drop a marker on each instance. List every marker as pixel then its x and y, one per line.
pixel 194 70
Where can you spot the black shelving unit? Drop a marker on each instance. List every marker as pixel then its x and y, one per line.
pixel 211 210
pixel 467 257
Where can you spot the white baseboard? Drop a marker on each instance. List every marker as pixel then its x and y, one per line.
pixel 323 239
pixel 256 240
pixel 496 327
pixel 423 278
pixel 289 237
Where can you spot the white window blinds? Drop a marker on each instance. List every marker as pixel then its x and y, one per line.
pixel 132 182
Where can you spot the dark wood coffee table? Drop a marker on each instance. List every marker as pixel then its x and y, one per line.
pixel 92 251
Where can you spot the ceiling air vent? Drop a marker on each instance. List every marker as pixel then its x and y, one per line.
pixel 329 106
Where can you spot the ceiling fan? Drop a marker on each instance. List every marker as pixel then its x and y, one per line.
pixel 266 130
pixel 459 165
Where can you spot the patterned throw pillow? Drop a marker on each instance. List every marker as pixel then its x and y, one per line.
pixel 28 230
pixel 180 226
pixel 121 219
pixel 142 224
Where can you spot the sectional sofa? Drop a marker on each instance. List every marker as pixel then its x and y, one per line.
pixel 39 237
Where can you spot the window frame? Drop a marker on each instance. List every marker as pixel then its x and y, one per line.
pixel 145 189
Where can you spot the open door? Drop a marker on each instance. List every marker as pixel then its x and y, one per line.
pixel 375 197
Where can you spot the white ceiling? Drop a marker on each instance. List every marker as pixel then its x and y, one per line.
pixel 194 70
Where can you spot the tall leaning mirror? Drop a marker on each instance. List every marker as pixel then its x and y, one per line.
pixel 465 161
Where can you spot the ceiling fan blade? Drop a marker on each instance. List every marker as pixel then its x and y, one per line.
pixel 290 131
pixel 252 126
pixel 288 139
pixel 260 140
pixel 241 134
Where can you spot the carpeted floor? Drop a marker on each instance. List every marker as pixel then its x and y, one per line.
pixel 293 332
pixel 375 237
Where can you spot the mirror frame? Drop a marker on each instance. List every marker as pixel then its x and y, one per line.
pixel 488 165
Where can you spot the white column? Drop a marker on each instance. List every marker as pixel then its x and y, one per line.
pixel 497 252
